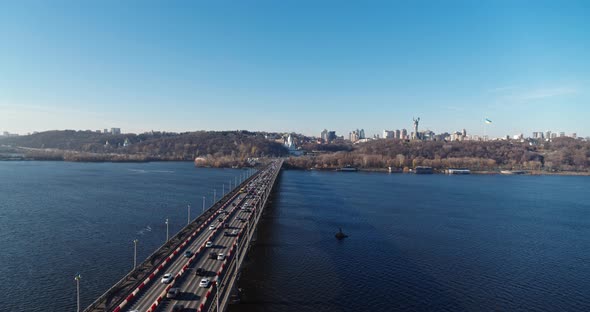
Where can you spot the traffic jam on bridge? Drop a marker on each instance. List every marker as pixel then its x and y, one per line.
pixel 189 279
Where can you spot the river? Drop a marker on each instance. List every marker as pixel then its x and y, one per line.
pixel 416 243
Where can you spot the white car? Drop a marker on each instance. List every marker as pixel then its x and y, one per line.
pixel 204 283
pixel 209 244
pixel 167 278
pixel 220 256
pixel 212 227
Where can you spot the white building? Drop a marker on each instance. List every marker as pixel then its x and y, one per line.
pixel 290 145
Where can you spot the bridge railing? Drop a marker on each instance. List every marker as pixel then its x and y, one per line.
pixel 242 243
pixel 226 276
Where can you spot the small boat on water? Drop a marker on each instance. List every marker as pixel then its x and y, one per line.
pixel 423 170
pixel 341 235
pixel 512 172
pixel 458 171
pixel 348 168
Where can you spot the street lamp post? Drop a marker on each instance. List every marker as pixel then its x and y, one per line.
pixel 189 215
pixel 135 241
pixel 77 278
pixel 167 229
pixel 217 284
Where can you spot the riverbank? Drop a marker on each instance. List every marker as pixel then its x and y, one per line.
pixel 120 158
pixel 475 172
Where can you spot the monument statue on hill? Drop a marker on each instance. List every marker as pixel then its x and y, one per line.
pixel 415 135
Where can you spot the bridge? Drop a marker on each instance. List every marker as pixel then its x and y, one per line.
pixel 203 259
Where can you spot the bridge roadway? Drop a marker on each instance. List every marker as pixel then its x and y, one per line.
pixel 193 297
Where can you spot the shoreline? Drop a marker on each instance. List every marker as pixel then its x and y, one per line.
pixel 482 172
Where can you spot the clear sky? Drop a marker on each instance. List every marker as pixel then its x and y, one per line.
pixel 295 65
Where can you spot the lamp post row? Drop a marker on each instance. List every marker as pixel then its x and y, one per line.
pixel 243 177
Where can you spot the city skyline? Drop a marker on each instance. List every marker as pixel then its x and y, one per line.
pixel 295 67
pixel 358 134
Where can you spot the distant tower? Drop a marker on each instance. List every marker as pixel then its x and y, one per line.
pixel 416 136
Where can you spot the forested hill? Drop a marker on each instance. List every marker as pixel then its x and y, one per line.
pixel 156 145
pixel 233 148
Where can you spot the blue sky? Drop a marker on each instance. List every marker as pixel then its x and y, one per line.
pixel 295 65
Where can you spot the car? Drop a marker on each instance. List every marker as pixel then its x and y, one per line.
pixel 177 308
pixel 213 255
pixel 200 272
pixel 172 292
pixel 188 254
pixel 220 219
pixel 242 220
pixel 226 225
pixel 220 256
pixel 234 232
pixel 204 283
pixel 209 244
pixel 226 233
pixel 233 204
pixel 212 227
pixel 167 278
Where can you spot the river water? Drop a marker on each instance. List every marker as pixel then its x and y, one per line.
pixel 416 243
pixel 422 243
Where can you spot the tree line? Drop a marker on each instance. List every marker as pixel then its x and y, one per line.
pixel 562 154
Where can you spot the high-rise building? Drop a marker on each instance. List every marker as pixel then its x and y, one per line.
pixel 398 134
pixel 388 134
pixel 105 131
pixel 404 135
pixel 362 134
pixel 324 136
pixel 548 135
pixel 115 130
pixel 561 134
pixel 553 135
pixel 574 135
pixel 331 136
